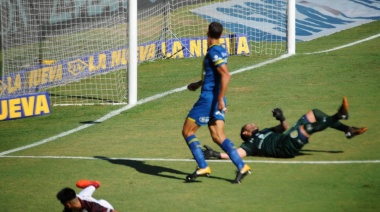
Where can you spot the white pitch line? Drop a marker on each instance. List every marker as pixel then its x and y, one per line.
pixel 158 96
pixel 108 116
pixel 127 107
pixel 192 160
pixel 347 45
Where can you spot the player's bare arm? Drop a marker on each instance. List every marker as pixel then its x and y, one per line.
pixel 225 80
pixel 242 153
pixel 209 153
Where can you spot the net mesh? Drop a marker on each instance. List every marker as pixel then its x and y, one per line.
pixel 77 50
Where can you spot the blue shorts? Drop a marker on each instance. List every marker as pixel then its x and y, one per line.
pixel 206 109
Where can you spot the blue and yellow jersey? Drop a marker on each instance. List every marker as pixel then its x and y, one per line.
pixel 215 57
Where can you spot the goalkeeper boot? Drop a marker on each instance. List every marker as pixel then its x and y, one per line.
pixel 353 131
pixel 343 110
pixel 86 183
pixel 246 170
pixel 198 173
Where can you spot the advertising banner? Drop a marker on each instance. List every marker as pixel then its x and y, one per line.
pixel 24 106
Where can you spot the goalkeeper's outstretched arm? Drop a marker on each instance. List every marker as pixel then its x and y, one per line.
pixel 278 114
pixel 212 154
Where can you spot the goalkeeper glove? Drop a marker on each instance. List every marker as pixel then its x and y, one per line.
pixel 210 153
pixel 277 113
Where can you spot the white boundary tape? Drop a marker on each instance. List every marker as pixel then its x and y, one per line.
pixel 192 160
pixel 158 96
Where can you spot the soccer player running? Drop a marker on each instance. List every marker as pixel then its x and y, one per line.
pixel 84 200
pixel 210 108
pixel 284 142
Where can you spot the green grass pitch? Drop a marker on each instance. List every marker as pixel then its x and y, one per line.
pixel 153 131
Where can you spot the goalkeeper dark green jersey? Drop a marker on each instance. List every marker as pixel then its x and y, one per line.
pixel 271 144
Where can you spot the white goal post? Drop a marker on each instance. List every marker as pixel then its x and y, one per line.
pixel 85 52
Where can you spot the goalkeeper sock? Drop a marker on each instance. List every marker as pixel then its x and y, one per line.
pixel 336 125
pixel 323 121
pixel 196 149
pixel 335 119
pixel 340 126
pixel 230 149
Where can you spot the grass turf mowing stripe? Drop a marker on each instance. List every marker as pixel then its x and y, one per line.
pixel 192 160
pixel 158 96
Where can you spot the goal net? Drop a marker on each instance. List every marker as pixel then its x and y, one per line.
pixel 77 50
pixel 65 47
pixel 177 28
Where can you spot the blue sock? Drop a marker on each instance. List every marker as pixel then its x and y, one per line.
pixel 195 147
pixel 230 149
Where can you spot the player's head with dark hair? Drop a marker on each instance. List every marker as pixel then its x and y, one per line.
pixel 66 195
pixel 215 30
pixel 247 131
pixel 242 136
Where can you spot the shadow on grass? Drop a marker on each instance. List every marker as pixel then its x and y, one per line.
pixel 90 122
pixel 144 168
pixel 308 151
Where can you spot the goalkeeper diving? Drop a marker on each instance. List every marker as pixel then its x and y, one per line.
pixel 283 142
